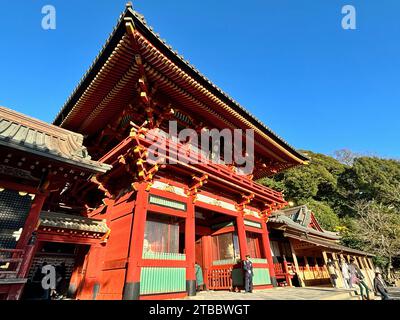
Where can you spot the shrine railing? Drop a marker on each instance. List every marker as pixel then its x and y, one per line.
pixel 314 272
pixel 10 263
pixel 278 268
pixel 220 278
pixel 284 271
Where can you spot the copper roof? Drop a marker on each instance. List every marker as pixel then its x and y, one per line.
pixel 71 222
pixel 27 134
pixel 328 244
pixel 295 222
pixel 299 218
pixel 116 46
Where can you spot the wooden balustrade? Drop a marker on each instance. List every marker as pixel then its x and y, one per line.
pixel 314 272
pixel 284 271
pixel 220 278
pixel 278 267
pixel 10 263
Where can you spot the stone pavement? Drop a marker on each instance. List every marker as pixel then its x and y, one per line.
pixel 286 293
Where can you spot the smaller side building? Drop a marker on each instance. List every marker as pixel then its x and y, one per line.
pixel 301 249
pixel 38 162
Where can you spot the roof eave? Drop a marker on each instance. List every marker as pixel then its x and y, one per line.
pixel 119 30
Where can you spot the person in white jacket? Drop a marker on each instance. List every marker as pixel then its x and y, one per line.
pixel 346 274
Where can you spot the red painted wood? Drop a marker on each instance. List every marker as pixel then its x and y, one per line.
pixel 267 249
pixel 220 278
pixel 19 187
pixel 190 239
pixel 253 229
pixel 202 230
pixel 32 220
pixel 207 256
pixel 163 263
pixel 216 209
pixel 167 211
pixel 224 230
pixel 137 235
pixel 242 236
pixel 50 237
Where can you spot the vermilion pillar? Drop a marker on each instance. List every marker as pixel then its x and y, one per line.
pixel 132 279
pixel 31 221
pixel 207 257
pixel 190 249
pixel 268 255
pixel 24 243
pixel 241 235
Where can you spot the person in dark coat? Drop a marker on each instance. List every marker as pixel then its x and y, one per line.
pixel 358 278
pixel 380 287
pixel 248 274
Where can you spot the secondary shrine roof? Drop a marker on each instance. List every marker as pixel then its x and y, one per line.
pixel 300 223
pixel 113 77
pixel 302 219
pixel 18 131
pixel 71 222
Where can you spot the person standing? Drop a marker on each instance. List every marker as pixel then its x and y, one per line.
pixel 346 274
pixel 358 278
pixel 380 286
pixel 199 277
pixel 248 274
pixel 332 272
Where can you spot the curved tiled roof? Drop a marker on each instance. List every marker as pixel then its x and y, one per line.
pixel 180 61
pixel 21 132
pixel 299 218
pixel 289 222
pixel 71 222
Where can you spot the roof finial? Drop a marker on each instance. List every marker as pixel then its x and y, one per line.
pixel 129 4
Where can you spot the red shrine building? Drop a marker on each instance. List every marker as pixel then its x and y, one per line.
pixel 83 191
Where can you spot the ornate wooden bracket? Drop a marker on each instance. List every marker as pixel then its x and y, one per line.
pixel 135 186
pixel 141 132
pixel 246 200
pixel 199 182
pixel 136 159
pixel 102 187
pixel 166 114
pixel 104 239
pixel 270 208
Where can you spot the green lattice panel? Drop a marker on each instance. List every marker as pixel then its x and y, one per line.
pixel 257 260
pixel 261 276
pixel 223 262
pixel 154 280
pixel 163 256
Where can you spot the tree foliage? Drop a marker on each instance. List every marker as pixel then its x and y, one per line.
pixel 354 194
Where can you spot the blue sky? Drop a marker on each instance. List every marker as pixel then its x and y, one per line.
pixel 289 62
